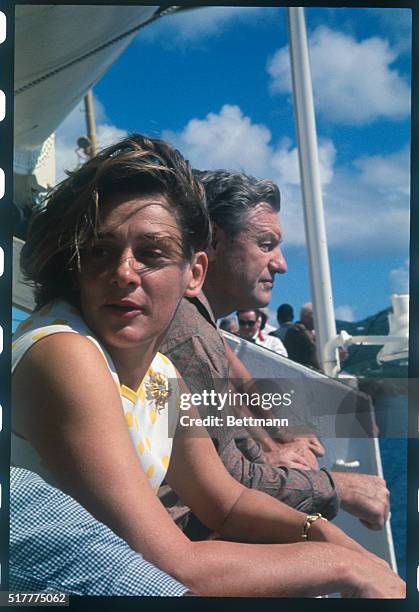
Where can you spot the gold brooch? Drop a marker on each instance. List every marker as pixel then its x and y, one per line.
pixel 157 388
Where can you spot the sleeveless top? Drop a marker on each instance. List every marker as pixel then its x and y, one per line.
pixel 151 412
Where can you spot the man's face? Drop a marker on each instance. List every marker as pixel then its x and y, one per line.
pixel 244 268
pixel 249 324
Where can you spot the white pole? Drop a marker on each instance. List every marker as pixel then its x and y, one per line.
pixel 90 123
pixel 321 288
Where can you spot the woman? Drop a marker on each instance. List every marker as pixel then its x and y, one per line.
pixel 120 242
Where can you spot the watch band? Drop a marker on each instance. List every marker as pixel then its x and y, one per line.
pixel 310 519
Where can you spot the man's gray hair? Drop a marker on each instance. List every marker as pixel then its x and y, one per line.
pixel 306 309
pixel 231 195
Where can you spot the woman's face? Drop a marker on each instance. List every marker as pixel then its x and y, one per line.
pixel 134 275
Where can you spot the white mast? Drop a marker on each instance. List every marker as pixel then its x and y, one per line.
pixel 90 123
pixel 321 288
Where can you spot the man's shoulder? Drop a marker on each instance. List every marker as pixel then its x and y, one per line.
pixel 187 308
pixel 195 346
pixel 190 316
pixel 198 308
pixel 193 319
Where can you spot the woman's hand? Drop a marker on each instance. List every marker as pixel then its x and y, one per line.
pixel 371 579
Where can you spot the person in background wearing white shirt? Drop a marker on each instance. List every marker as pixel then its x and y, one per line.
pixel 251 324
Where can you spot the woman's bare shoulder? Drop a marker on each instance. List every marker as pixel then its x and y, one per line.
pixel 58 369
pixel 62 350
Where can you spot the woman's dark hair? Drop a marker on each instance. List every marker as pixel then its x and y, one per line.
pixel 69 220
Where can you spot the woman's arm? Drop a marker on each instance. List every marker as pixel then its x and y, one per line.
pixel 67 405
pixel 287 570
pixel 72 414
pixel 301 569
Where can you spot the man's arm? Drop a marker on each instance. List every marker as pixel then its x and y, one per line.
pixel 287 478
pixel 312 491
pixel 238 372
pixel 306 449
pixel 306 490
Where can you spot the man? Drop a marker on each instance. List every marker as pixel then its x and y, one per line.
pixel 229 324
pixel 251 328
pixel 285 317
pixel 244 258
pixel 300 340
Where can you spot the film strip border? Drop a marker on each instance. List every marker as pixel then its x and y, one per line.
pixel 6 179
pixel 413 445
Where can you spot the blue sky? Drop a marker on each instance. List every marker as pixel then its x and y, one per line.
pixel 215 82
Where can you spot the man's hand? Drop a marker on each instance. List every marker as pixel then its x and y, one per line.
pixel 364 496
pixel 299 453
pixel 292 455
pixel 311 442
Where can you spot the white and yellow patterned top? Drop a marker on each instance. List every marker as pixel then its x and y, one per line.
pixel 151 420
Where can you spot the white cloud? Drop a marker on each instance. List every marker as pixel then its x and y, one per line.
pixel 192 27
pixel 353 82
pixel 74 126
pixel 231 140
pixel 225 140
pixel 366 202
pixel 109 134
pixel 388 173
pixel 345 313
pixel 367 210
pixel 399 278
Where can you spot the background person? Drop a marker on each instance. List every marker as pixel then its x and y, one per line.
pixel 300 339
pixel 229 324
pixel 285 317
pixel 251 329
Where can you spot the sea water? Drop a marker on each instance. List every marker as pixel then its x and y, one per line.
pixel 391 413
pixel 394 459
